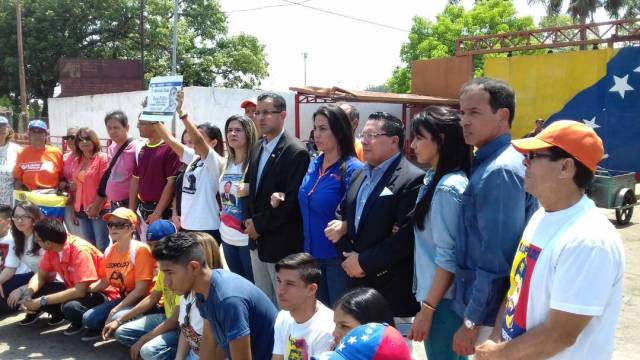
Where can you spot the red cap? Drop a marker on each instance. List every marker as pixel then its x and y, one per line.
pixel 252 101
pixel 576 138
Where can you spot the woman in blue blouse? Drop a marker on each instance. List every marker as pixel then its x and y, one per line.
pixel 438 144
pixel 321 190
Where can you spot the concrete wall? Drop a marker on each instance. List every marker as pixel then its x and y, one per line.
pixel 201 103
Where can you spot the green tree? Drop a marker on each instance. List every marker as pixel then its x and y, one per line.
pixel 108 29
pixel 430 40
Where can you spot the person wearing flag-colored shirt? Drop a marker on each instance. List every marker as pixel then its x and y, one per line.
pixel 567 275
pixel 76 262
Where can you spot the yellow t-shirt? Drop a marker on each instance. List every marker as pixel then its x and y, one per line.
pixel 170 299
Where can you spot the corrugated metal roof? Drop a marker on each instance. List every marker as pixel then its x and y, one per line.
pixel 338 94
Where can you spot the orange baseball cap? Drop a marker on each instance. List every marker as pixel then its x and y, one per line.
pixel 576 138
pixel 122 213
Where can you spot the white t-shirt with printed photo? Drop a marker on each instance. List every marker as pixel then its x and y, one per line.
pixel 301 341
pixel 199 208
pixel 570 260
pixel 232 206
pixel 194 335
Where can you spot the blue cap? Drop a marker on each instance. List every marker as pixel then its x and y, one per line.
pixel 38 124
pixel 159 229
pixel 369 342
pixel 4 120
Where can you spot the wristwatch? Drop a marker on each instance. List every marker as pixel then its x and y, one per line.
pixel 469 324
pixel 43 301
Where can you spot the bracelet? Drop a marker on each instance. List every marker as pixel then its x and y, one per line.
pixel 119 322
pixel 428 306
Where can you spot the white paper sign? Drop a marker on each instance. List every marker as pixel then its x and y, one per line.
pixel 161 99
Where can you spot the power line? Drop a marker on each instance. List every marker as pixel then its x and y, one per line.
pixel 346 16
pixel 265 7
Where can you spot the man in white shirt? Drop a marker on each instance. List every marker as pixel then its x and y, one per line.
pixel 566 278
pixel 304 327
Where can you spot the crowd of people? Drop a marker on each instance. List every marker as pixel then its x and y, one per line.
pixel 182 249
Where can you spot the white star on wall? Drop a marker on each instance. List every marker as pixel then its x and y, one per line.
pixel 591 123
pixel 352 340
pixel 621 85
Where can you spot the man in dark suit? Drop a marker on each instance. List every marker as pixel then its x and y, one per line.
pixel 277 165
pixel 373 228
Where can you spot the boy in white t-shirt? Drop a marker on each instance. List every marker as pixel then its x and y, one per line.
pixel 304 327
pixel 566 278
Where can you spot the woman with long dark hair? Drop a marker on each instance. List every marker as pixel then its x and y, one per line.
pixel 439 145
pixel 241 136
pixel 321 190
pixel 359 306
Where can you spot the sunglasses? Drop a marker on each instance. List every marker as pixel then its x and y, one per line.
pixel 69 137
pixel 118 224
pixel 533 155
pixel 84 138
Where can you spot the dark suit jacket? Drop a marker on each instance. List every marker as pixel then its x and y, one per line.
pixel 280 229
pixel 385 238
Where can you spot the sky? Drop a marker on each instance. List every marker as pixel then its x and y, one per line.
pixel 340 51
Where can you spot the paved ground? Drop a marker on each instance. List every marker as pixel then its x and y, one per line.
pixel 42 342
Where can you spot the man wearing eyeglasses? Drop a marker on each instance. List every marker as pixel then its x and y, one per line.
pixel 495 210
pixel 277 165
pixel 566 279
pixel 372 228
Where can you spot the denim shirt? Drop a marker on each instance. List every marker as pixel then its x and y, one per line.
pixel 495 210
pixel 435 245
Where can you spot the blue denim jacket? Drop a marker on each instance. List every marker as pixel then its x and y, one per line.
pixel 435 245
pixel 495 210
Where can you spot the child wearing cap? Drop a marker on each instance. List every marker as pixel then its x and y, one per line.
pixel 371 341
pixel 128 268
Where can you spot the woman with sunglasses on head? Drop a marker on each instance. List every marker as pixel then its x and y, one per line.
pixel 25 250
pixel 87 171
pixel 199 209
pixel 8 154
pixel 66 183
pixel 439 145
pixel 127 267
pixel 241 135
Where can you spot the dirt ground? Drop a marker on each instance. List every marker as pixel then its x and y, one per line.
pixel 42 342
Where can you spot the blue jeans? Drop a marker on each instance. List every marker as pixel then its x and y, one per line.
pixel 13 283
pixel 161 347
pixel 239 260
pixel 95 231
pixel 94 318
pixel 73 310
pixel 335 282
pixel 444 325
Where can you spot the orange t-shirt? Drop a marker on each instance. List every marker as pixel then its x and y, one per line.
pixel 39 169
pixel 359 152
pixel 122 273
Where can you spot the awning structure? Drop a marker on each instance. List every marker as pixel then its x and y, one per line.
pixel 319 95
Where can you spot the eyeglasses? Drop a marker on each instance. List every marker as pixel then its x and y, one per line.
pixel 533 155
pixel 117 224
pixel 266 112
pixel 371 136
pixel 21 218
pixel 69 137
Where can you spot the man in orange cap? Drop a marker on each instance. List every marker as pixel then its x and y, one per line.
pixel 566 278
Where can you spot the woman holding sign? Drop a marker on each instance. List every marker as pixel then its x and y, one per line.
pixel 198 205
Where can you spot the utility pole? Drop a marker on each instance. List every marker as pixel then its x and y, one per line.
pixel 174 47
pixel 142 40
pixel 304 56
pixel 22 123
